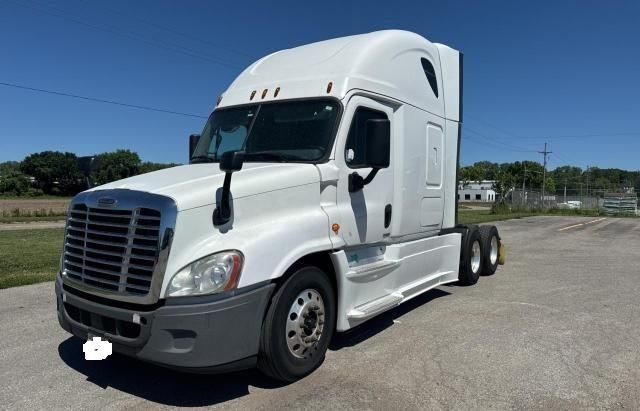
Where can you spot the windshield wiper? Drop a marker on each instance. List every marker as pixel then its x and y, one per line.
pixel 202 159
pixel 271 155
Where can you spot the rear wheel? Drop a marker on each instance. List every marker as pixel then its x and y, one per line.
pixel 471 261
pixel 298 326
pixel 490 246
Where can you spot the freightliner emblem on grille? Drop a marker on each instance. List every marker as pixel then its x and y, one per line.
pixel 107 202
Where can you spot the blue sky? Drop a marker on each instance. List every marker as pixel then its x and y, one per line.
pixel 534 71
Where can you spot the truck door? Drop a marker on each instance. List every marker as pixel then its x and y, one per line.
pixel 366 214
pixel 431 207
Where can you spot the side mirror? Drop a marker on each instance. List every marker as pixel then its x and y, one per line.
pixel 378 132
pixel 231 161
pixel 193 142
pixel 86 165
pixel 378 152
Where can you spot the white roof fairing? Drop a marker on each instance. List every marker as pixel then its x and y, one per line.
pixel 384 62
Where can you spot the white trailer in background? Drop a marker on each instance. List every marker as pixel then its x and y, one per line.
pixel 321 193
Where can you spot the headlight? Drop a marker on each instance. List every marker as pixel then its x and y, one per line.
pixel 211 274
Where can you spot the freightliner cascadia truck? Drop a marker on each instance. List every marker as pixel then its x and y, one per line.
pixel 321 192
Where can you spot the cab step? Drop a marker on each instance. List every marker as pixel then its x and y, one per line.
pixel 372 308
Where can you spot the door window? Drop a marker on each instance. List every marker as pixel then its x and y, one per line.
pixel 355 148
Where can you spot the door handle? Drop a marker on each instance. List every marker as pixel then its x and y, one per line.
pixel 387 215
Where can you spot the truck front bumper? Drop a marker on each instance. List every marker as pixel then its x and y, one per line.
pixel 203 334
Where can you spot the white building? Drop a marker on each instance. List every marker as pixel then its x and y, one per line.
pixel 477 191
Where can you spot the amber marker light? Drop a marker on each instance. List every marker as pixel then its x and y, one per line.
pixel 275 94
pixel 329 87
pixel 253 94
pixel 264 93
pixel 335 228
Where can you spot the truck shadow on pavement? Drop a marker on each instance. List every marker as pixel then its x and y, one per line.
pixel 158 384
pixel 383 321
pixel 174 388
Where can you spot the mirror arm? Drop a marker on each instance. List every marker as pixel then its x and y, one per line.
pixel 370 177
pixel 222 213
pixel 356 182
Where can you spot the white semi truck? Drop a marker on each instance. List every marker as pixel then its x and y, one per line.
pixel 321 193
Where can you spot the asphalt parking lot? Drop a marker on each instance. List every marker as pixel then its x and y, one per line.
pixel 557 327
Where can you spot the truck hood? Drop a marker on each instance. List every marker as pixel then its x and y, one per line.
pixel 195 185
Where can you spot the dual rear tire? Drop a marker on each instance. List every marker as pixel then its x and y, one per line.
pixel 479 254
pixel 490 241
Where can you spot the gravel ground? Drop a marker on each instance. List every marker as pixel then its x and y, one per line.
pixel 557 327
pixel 32 225
pixel 55 205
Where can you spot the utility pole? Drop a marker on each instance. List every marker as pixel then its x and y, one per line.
pixel 524 178
pixel 581 199
pixel 545 153
pixel 588 180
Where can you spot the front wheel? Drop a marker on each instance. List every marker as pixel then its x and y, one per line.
pixel 298 326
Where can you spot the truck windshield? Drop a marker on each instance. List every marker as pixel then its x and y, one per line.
pixel 297 131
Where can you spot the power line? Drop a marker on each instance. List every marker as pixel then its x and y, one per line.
pixel 490 144
pixel 511 147
pixel 172 30
pixel 111 30
pixel 493 126
pixel 99 100
pixel 625 134
pixel 560 158
pixel 516 148
pixel 515 136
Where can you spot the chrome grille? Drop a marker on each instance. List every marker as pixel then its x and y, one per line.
pixel 112 249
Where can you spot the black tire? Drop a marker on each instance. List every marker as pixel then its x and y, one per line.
pixel 470 269
pixel 275 358
pixel 487 234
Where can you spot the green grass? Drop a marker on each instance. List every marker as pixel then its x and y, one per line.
pixel 33 256
pixel 485 216
pixel 31 219
pixel 21 216
pixel 29 256
pixel 503 213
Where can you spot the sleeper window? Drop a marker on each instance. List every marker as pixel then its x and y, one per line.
pixel 430 72
pixel 356 140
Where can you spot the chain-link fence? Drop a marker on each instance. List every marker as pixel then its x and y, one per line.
pixel 611 203
pixel 534 199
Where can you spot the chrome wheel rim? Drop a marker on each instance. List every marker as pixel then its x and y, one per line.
pixel 475 256
pixel 494 250
pixel 305 323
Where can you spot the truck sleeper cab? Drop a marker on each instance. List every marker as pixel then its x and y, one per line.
pixel 320 193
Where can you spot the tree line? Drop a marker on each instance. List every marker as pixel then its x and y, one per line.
pixel 58 173
pixel 508 176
